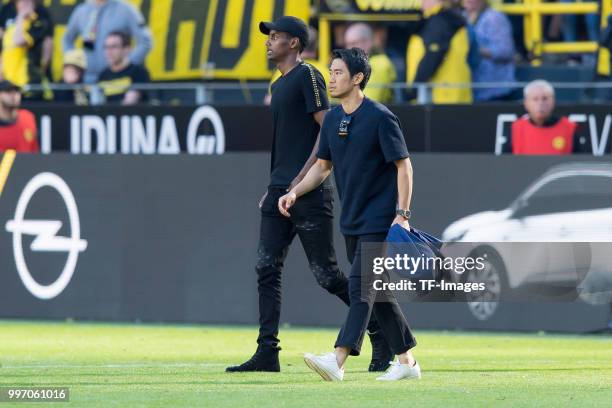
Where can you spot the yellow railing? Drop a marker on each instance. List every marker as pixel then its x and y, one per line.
pixel 534 10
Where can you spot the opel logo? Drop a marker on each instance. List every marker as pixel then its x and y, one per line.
pixel 46 238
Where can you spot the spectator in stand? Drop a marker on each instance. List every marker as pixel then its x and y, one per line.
pixel 495 47
pixel 310 56
pixel 360 35
pixel 26 30
pixel 118 79
pixel 569 25
pixel 438 53
pixel 17 126
pixel 73 73
pixel 93 20
pixel 539 132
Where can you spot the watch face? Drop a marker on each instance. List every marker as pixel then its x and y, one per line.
pixel 403 213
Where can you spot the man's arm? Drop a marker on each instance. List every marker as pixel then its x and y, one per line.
pixel 134 96
pixel 436 40
pixel 141 33
pixel 20 38
pixel 72 30
pixel 47 53
pixel 318 116
pixel 313 179
pixel 404 189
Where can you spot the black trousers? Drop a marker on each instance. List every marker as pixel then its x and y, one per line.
pixel 383 303
pixel 312 220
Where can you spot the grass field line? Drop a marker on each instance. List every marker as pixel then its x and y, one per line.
pixel 127 365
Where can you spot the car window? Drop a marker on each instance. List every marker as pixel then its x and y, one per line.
pixel 572 193
pixel 583 184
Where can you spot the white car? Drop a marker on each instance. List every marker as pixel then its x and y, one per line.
pixel 569 204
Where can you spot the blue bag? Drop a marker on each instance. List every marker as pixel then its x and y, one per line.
pixel 415 244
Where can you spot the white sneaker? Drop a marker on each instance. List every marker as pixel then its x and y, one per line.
pixel 399 371
pixel 325 365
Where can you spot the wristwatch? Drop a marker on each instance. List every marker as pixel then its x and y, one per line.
pixel 404 213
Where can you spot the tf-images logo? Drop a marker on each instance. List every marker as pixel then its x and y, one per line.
pixel 45 235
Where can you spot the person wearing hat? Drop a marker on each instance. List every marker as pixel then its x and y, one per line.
pixel 17 126
pixel 309 55
pixel 73 73
pixel 299 104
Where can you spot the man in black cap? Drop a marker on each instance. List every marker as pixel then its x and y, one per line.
pixel 299 104
pixel 17 126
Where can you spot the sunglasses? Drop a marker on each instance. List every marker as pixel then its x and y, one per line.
pixel 343 129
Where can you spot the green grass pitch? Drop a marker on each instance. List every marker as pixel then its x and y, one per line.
pixel 115 365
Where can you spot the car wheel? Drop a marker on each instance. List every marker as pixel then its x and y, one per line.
pixel 484 304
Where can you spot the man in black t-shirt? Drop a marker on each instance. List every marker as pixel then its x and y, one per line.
pixel 118 79
pixel 299 103
pixel 364 142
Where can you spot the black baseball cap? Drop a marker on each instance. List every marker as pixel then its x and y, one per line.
pixel 287 24
pixel 6 86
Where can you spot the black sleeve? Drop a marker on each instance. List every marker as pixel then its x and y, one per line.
pixel 39 28
pixel 391 138
pixel 3 18
pixel 324 152
pixel 140 75
pixel 104 75
pixel 2 23
pixel 314 90
pixel 44 14
pixel 436 35
pixel 4 14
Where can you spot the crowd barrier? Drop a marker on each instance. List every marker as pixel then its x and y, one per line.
pixel 174 239
pixel 211 129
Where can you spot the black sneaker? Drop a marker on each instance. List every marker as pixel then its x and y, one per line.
pixel 264 359
pixel 381 353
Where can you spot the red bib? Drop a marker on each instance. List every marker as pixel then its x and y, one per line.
pixel 21 135
pixel 528 138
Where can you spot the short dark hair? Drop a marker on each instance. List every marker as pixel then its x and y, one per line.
pixel 302 44
pixel 357 61
pixel 126 39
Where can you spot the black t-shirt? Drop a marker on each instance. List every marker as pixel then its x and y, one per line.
pixel 295 97
pixel 364 168
pixel 116 84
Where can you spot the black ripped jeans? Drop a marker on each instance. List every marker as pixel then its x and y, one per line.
pixel 312 220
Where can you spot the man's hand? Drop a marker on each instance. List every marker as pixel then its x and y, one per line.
pixel 286 202
pixel 263 198
pixel 25 11
pixel 401 221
